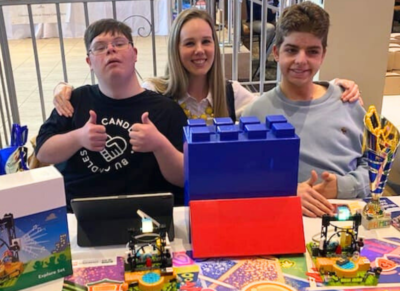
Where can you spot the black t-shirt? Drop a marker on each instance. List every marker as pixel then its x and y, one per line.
pixel 117 169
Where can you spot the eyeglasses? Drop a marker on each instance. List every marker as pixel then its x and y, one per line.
pixel 101 47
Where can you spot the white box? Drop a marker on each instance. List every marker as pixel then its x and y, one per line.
pixel 33 225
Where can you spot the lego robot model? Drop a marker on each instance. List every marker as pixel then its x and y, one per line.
pixel 149 246
pixel 148 263
pixel 350 246
pixel 341 263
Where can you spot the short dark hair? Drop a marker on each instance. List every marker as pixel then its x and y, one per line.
pixel 106 26
pixel 303 17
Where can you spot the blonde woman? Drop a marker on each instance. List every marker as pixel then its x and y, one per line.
pixel 194 72
pixel 194 76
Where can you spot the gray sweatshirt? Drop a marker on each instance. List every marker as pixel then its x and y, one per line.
pixel 331 135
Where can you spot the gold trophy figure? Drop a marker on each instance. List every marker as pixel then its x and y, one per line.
pixel 381 140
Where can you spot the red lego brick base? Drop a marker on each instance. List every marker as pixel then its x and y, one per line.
pixel 246 227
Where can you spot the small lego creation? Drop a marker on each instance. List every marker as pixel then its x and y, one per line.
pixel 10 266
pixel 339 262
pixel 148 264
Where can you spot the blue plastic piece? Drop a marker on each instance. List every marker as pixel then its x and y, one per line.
pixel 283 130
pixel 196 122
pixel 243 121
pixel 228 132
pixel 223 121
pixel 246 167
pixel 151 278
pixel 256 131
pixel 272 119
pixel 199 134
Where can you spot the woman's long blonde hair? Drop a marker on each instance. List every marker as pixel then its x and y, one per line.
pixel 175 82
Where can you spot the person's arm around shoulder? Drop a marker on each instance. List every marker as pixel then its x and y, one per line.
pixel 61 147
pixel 148 85
pixel 351 92
pixel 145 137
pixel 248 110
pixel 61 99
pixel 243 97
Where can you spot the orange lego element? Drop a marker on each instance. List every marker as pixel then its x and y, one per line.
pixel 331 265
pixel 124 287
pixel 325 264
pixel 137 277
pixel 132 277
pixel 363 264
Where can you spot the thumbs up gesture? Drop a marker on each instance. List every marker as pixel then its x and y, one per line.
pixel 145 137
pixel 93 135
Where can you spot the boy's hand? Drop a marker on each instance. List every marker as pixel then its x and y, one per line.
pixel 145 137
pixel 351 92
pixel 327 188
pixel 313 203
pixel 93 136
pixel 62 95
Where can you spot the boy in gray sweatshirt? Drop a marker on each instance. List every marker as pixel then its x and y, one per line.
pixel 332 164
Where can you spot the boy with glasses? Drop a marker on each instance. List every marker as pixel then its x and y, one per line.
pixel 121 138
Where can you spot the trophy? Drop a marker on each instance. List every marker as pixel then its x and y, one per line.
pixel 381 140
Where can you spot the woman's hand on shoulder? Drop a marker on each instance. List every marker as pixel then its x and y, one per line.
pixel 351 91
pixel 62 94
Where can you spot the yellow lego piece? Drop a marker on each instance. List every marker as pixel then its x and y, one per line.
pixel 187 269
pixel 131 277
pixel 363 264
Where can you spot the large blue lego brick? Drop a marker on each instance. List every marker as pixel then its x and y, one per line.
pixel 241 161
